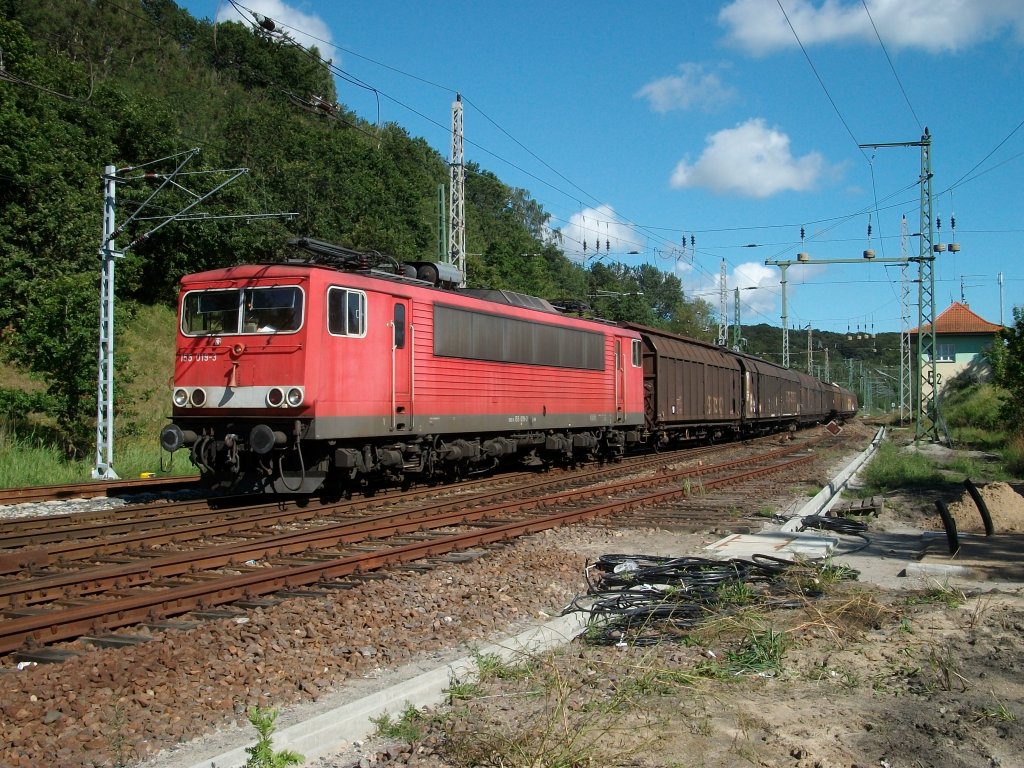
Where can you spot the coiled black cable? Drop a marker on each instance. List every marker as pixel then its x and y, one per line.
pixel 642 599
pixel 840 525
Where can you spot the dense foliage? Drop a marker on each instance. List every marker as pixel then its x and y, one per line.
pixel 1007 358
pixel 137 83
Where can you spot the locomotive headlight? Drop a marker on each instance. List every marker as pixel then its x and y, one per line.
pixel 294 397
pixel 198 397
pixel 275 397
pixel 180 398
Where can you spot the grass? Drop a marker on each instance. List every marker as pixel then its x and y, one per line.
pixel 407 727
pixel 943 671
pixel 490 666
pixel 892 468
pixel 26 456
pixel 1013 455
pixel 564 718
pixel 939 594
pixel 973 408
pixel 999 712
pixel 762 653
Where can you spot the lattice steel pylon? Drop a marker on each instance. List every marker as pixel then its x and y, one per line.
pixel 926 387
pixel 927 381
pixel 737 326
pixel 810 350
pixel 906 365
pixel 103 469
pixel 457 195
pixel 723 308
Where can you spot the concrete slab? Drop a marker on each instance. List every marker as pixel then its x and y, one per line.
pixel 787 545
pixel 998 558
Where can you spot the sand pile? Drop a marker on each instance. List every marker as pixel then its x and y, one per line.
pixel 1005 505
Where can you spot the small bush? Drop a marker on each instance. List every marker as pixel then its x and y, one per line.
pixel 262 754
pixel 892 468
pixel 1013 455
pixel 975 406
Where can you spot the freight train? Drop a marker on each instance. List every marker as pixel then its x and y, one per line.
pixel 343 371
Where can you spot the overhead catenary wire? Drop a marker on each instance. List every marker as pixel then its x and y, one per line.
pixel 821 82
pixel 906 98
pixel 655 233
pixel 965 178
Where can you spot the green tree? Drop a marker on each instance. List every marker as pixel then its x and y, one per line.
pixel 57 344
pixel 1006 355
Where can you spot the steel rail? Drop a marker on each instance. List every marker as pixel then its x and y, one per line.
pixel 91 489
pixel 258 516
pixel 180 522
pixel 438 515
pixel 80 620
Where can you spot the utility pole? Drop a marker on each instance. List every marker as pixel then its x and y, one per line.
pixel 103 469
pixel 785 316
pixel 810 352
pixel 457 195
pixel 999 279
pixel 927 386
pixel 737 328
pixel 723 312
pixel 906 368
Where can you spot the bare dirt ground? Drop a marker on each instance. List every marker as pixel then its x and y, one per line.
pixel 918 666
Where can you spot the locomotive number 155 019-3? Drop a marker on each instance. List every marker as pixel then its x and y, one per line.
pixel 198 357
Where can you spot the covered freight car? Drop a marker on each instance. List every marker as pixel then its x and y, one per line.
pixel 694 390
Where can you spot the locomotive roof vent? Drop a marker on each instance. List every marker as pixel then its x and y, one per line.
pixel 510 297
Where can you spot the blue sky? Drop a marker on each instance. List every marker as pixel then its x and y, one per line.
pixel 639 124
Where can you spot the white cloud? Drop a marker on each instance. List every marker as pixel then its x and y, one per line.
pixel 750 160
pixel 760 290
pixel 599 226
pixel 693 86
pixel 305 29
pixel 749 276
pixel 759 26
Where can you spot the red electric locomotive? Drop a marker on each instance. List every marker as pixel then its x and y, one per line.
pixel 332 373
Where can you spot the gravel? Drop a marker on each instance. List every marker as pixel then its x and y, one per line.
pixel 113 707
pixel 109 706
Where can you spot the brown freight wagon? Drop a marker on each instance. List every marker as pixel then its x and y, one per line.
pixel 694 390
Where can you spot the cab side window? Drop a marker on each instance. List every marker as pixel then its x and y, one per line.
pixel 399 326
pixel 346 312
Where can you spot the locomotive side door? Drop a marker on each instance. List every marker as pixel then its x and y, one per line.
pixel 401 364
pixel 620 383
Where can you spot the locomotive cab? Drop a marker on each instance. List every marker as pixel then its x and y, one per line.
pixel 240 396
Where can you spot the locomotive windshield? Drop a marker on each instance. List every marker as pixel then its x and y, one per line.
pixel 274 309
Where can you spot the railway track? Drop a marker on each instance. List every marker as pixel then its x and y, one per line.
pixel 93 489
pixel 154 572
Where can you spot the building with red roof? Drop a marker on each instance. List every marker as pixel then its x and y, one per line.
pixel 960 338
